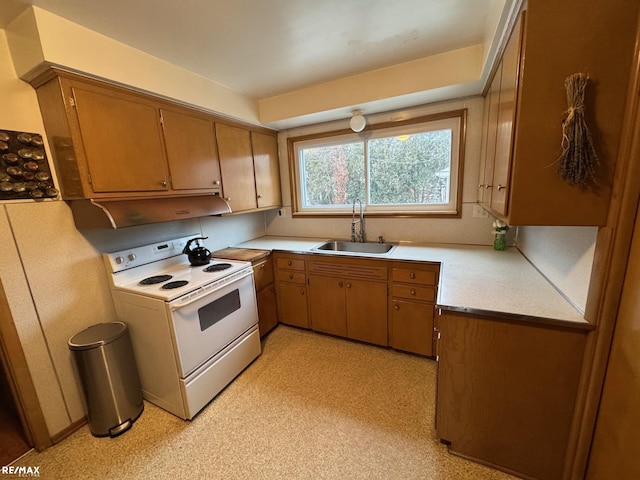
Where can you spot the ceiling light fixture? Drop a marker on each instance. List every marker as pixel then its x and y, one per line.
pixel 358 122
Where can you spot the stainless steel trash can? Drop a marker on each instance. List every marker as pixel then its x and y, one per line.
pixel 109 377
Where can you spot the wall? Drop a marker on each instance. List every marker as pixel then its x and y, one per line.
pixel 465 230
pixel 564 255
pixel 37 37
pixel 53 274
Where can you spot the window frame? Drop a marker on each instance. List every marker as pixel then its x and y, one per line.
pixel 380 130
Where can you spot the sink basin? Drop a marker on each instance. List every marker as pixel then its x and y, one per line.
pixel 369 248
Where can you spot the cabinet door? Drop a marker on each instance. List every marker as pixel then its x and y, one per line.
pixel 506 392
pixel 327 309
pixel 292 304
pixel 191 151
pixel 411 327
pixel 492 130
pixel 267 311
pixel 236 167
pixel 267 169
pixel 367 311
pixel 505 123
pixel 122 141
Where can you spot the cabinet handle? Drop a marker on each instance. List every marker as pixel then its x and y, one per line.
pixel 348 284
pixel 163 184
pixel 412 275
pixel 396 307
pixel 413 292
pixel 501 187
pixel 481 185
pixel 488 186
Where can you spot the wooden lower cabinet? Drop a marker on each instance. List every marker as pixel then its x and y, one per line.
pixel 327 308
pixel 506 391
pixel 348 297
pixel 411 327
pixel 351 308
pixel 265 295
pixel 414 291
pixel 291 289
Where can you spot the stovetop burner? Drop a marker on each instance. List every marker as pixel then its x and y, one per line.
pixel 176 284
pixel 216 267
pixel 155 279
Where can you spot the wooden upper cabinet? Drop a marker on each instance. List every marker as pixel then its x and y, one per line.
pixel 236 167
pixel 191 150
pixel 267 169
pixel 249 168
pixel 542 51
pixel 111 141
pixel 492 104
pixel 506 109
pixel 122 141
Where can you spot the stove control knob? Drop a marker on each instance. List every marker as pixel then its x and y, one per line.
pixel 131 257
pixel 119 260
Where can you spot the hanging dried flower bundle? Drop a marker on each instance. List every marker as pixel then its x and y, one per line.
pixel 578 160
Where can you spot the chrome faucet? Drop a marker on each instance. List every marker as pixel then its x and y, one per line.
pixel 361 236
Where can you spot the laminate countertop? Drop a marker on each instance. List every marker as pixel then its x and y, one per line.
pixel 475 279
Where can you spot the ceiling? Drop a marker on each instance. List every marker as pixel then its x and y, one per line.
pixel 263 48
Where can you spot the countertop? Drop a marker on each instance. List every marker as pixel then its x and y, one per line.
pixel 472 279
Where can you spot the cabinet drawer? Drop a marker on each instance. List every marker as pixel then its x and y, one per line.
pixel 290 264
pixel 426 294
pixel 293 277
pixel 263 274
pixel 412 275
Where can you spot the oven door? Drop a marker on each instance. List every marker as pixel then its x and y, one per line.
pixel 205 324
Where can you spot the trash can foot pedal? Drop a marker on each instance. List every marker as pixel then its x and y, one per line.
pixel 123 427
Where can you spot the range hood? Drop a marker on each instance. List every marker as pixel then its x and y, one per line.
pixel 132 211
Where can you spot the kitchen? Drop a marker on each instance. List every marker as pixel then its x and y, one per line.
pixel 49 319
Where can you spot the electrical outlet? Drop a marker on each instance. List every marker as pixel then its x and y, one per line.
pixel 479 212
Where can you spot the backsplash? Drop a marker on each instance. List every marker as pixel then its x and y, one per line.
pixel 564 255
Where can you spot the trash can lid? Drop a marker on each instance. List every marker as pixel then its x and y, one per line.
pixel 97 335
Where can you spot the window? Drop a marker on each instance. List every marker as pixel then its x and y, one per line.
pixel 412 168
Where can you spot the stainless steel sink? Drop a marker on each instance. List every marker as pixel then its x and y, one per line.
pixel 369 248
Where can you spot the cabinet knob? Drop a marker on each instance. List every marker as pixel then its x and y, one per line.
pixel 259 196
pixel 289 262
pixel 262 266
pixel 340 284
pixel 163 184
pixel 216 182
pixel 396 307
pixel 302 291
pixel 412 275
pixel 501 187
pixel 481 185
pixel 291 276
pixel 413 292
pixel 228 199
pixel 348 284
pixel 488 186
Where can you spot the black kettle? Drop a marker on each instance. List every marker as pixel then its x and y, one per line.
pixel 199 255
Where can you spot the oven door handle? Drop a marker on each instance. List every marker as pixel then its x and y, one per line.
pixel 203 291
